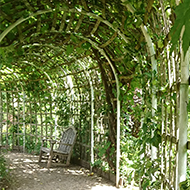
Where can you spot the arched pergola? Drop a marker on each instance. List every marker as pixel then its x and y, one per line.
pixel 72 62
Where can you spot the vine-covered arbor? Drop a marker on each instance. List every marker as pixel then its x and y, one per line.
pixel 104 67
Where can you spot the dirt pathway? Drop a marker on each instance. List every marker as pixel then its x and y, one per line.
pixel 28 174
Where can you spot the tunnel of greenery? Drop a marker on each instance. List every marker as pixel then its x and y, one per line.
pixel 108 68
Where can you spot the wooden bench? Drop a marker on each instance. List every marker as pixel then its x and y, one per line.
pixel 64 150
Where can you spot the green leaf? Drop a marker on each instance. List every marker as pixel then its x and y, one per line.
pixel 148 74
pixel 11 35
pixel 73 38
pixel 20 51
pixel 160 43
pixel 186 37
pixel 7 7
pixel 2 53
pixel 86 45
pixel 184 185
pixel 8 65
pixel 183 18
pixel 144 128
pixel 146 184
pixel 44 28
pixel 88 52
pixel 156 140
pixel 80 50
pixel 69 49
pixel 25 14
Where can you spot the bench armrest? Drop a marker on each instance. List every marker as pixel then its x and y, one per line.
pixel 65 144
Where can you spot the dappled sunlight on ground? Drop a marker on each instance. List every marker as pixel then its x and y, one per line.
pixel 103 187
pixel 28 174
pixel 106 187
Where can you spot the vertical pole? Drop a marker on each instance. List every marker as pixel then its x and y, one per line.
pixel 154 108
pixel 70 82
pixel 55 118
pixel 118 118
pixel 24 127
pixel 92 114
pixel 154 71
pixel 118 107
pixel 177 122
pixel 118 133
pixel 183 119
pixel 92 123
pixel 154 98
pixel 7 118
pixel 1 117
pixel 13 120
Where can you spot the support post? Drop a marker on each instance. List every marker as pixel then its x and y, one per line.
pixel 1 118
pixel 92 113
pixel 92 123
pixel 24 127
pixel 154 98
pixel 183 119
pixel 118 133
pixel 118 106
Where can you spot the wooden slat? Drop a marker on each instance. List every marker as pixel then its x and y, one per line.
pixel 79 23
pixel 109 41
pixel 63 22
pixel 95 27
pixel 70 22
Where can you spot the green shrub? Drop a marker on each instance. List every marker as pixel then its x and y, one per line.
pixel 4 172
pixel 185 185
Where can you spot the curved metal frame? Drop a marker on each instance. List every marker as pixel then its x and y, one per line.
pixel 19 21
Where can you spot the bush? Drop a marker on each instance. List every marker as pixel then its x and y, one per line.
pixel 4 173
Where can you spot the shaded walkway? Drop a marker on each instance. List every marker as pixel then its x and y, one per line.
pixel 28 174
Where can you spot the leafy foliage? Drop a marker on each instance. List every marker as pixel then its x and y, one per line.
pixel 86 41
pixel 4 172
pixel 185 185
pixel 183 19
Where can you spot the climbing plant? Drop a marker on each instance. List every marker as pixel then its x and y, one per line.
pixel 56 51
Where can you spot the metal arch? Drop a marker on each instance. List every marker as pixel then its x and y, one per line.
pixel 118 106
pixel 92 113
pixel 54 47
pixel 19 21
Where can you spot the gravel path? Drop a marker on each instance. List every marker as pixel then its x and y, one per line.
pixel 28 174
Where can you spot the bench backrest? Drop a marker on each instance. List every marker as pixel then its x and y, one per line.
pixel 68 137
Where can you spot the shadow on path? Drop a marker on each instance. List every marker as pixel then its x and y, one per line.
pixel 28 174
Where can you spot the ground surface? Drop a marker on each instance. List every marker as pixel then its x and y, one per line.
pixel 28 174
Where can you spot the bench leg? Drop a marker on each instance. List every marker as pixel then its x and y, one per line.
pixel 40 156
pixel 50 160
pixel 68 160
